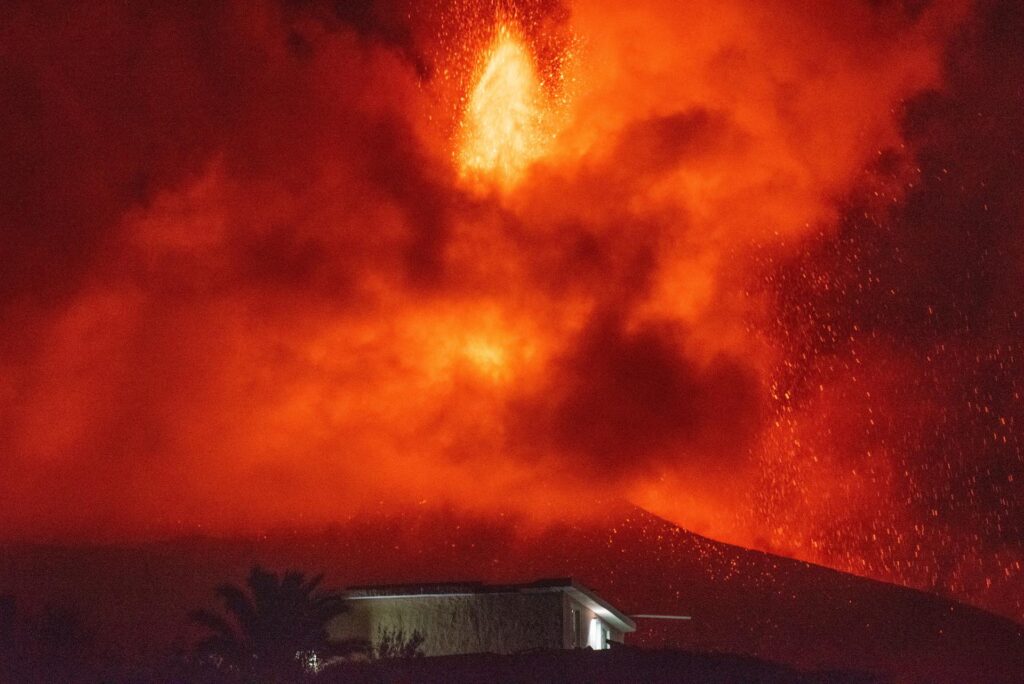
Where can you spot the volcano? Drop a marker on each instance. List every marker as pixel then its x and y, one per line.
pixel 742 602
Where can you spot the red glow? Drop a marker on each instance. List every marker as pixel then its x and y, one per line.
pixel 260 277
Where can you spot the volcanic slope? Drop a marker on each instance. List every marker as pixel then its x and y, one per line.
pixel 741 601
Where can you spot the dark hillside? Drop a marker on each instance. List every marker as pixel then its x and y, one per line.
pixel 132 602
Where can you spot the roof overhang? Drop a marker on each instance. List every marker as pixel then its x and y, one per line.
pixel 602 609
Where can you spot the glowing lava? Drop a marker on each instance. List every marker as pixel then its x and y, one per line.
pixel 502 125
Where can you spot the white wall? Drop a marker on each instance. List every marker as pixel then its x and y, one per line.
pixel 450 624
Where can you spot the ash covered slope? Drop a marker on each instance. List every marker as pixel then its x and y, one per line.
pixel 741 601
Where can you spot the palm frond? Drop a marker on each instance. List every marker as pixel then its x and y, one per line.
pixel 239 605
pixel 215 623
pixel 292 581
pixel 312 584
pixel 264 587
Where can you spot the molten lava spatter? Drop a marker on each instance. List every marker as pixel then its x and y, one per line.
pixel 502 127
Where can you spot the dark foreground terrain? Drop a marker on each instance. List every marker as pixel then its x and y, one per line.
pixel 119 608
pixel 619 665
pixel 580 666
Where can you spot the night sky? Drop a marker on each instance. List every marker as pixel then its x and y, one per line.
pixel 753 266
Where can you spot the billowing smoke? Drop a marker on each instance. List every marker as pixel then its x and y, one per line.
pixel 756 272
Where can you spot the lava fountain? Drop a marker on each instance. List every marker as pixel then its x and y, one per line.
pixel 502 126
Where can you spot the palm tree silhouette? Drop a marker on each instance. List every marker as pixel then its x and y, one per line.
pixel 278 630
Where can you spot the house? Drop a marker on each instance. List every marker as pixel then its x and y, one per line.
pixel 481 618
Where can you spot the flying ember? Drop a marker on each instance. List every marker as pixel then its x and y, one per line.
pixel 502 127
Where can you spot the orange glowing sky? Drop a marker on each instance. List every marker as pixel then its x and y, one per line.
pixel 283 263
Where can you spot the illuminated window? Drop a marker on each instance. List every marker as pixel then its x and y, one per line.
pixel 597 638
pixel 577 628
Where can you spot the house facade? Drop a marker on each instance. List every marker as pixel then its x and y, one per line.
pixel 481 618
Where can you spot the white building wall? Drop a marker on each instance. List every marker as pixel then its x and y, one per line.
pixel 451 624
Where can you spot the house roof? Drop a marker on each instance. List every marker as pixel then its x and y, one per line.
pixel 579 592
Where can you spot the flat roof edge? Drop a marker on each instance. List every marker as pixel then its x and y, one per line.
pixel 584 595
pixel 602 608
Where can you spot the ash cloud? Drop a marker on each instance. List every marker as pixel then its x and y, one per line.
pixel 627 403
pixel 243 285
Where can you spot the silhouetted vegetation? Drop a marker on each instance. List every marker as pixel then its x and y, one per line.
pixel 275 631
pixel 393 643
pixel 49 644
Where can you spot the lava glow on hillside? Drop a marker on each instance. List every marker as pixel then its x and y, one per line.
pixel 752 266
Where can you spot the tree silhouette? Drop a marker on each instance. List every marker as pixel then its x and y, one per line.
pixel 276 631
